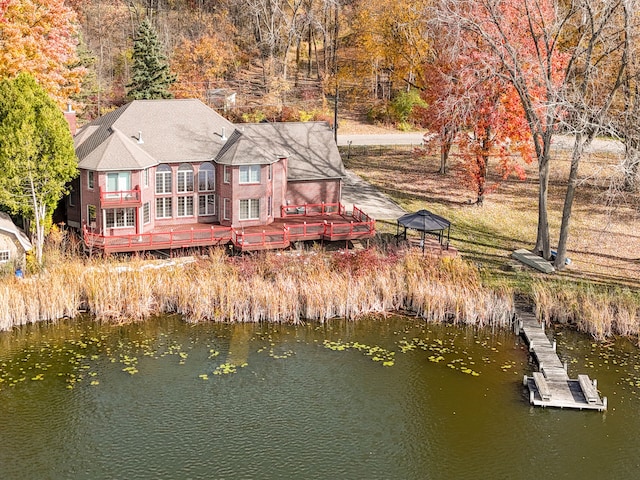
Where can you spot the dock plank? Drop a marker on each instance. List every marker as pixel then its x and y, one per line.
pixel 551 385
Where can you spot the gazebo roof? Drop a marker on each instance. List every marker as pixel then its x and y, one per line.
pixel 424 221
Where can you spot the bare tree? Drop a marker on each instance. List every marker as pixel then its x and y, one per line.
pixel 553 53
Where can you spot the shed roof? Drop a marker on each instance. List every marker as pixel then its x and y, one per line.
pixel 8 227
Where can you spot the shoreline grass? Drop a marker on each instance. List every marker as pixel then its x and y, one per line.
pixel 286 287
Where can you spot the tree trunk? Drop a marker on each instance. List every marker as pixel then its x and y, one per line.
pixel 631 164
pixel 578 148
pixel 542 246
pixel 445 148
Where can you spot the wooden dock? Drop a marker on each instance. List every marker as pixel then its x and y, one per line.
pixel 551 386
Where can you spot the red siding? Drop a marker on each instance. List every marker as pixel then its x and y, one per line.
pixel 313 192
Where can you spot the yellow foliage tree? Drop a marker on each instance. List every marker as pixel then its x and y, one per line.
pixel 40 37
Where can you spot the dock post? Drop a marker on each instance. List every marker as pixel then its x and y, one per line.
pixel 565 366
pixel 554 345
pixel 595 383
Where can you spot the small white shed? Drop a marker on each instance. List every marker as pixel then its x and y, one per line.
pixel 14 243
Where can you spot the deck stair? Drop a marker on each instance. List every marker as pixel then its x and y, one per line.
pixel 551 386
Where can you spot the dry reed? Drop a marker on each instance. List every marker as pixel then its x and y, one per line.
pixel 283 287
pixel 598 312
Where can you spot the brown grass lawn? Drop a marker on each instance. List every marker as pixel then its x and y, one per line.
pixel 604 243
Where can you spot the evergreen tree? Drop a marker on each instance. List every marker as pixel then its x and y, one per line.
pixel 37 158
pixel 151 77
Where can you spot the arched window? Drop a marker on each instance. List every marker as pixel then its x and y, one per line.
pixel 206 178
pixel 185 178
pixel 163 179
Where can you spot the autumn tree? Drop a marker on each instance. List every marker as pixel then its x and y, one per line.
pixel 37 157
pixel 473 107
pixel 200 63
pixel 40 37
pixel 392 36
pixel 550 53
pixel 150 77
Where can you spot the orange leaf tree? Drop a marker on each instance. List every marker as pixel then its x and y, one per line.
pixel 40 37
pixel 566 61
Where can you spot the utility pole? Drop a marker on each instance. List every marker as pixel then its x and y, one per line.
pixel 335 115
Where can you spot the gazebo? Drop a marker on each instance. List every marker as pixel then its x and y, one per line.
pixel 426 222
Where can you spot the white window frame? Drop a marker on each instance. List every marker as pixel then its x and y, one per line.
pixel 164 207
pixel 122 181
pixel 185 179
pixel 145 177
pixel 146 213
pixel 91 180
pixel 206 178
pixel 249 174
pixel 120 217
pixel 227 174
pixel 226 209
pixel 185 207
pixel 164 178
pixel 206 204
pixel 5 256
pixel 92 224
pixel 249 209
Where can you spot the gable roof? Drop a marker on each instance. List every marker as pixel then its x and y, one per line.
pixel 309 146
pixel 8 227
pixel 171 131
pixel 188 130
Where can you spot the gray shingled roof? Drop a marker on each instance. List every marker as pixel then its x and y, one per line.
pixel 309 146
pixel 8 227
pixel 188 130
pixel 172 131
pixel 242 150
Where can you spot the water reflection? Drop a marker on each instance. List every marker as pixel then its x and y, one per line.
pixel 379 398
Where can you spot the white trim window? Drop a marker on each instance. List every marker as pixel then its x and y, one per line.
pixel 90 180
pixel 227 174
pixel 120 217
pixel 249 209
pixel 145 177
pixel 163 207
pixel 249 174
pixel 146 213
pixel 92 212
pixel 163 179
pixel 118 181
pixel 226 211
pixel 185 206
pixel 185 179
pixel 206 204
pixel 206 178
pixel 5 256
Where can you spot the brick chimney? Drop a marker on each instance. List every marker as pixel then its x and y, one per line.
pixel 70 115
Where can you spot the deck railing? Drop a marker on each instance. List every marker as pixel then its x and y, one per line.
pixel 158 240
pixel 307 209
pixel 120 198
pixel 262 240
pixel 362 226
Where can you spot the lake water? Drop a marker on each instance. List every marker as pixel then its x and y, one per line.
pixel 386 398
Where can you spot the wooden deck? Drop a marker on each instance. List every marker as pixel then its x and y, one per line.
pixel 308 224
pixel 551 386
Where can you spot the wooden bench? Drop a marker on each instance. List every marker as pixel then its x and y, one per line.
pixel 542 386
pixel 588 389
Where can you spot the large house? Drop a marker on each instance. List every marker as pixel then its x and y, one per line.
pixel 173 173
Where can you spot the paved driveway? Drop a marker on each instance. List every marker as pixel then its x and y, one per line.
pixel 358 192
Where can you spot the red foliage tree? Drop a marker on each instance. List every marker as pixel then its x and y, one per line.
pixel 472 106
